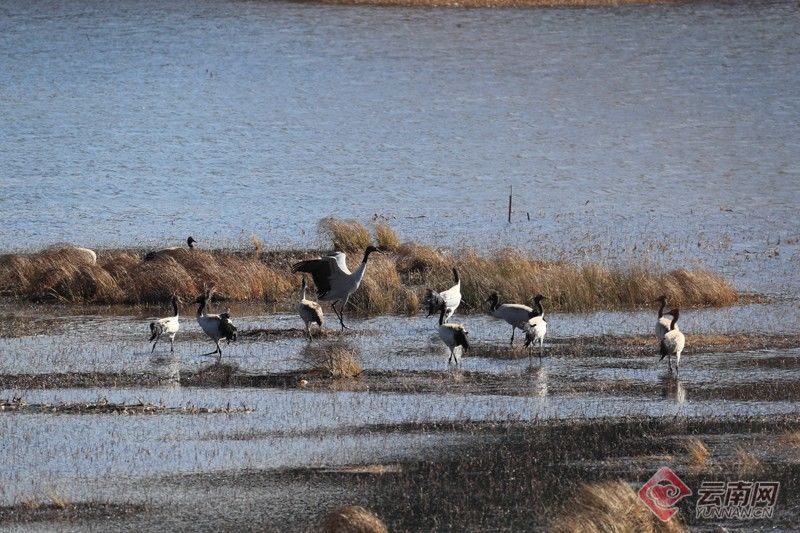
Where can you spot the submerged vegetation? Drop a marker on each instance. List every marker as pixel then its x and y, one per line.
pixel 394 283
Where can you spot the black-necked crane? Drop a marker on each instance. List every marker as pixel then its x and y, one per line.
pixel 309 310
pixel 453 335
pixel 448 300
pixel 334 281
pixel 662 322
pixel 673 342
pixel 536 328
pixel 517 315
pixel 215 326
pixel 165 251
pixel 166 326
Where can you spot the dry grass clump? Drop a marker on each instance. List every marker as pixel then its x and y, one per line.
pixel 61 274
pixel 386 237
pixel 381 288
pixel 352 519
pixel 346 235
pixel 790 439
pixel 336 361
pixel 125 277
pixel 746 461
pixel 611 506
pixel 698 454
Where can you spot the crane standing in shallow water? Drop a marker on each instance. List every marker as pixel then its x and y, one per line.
pixel 663 323
pixel 166 326
pixel 453 335
pixel 449 299
pixel 334 281
pixel 536 328
pixel 673 342
pixel 517 315
pixel 309 311
pixel 215 326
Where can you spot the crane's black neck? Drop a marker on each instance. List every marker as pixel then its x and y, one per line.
pixel 661 309
pixel 538 302
pixel 494 302
pixel 202 306
pixel 441 316
pixel 368 251
pixel 455 276
pixel 175 305
pixel 675 315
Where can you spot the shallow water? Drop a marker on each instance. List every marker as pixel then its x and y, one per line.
pixel 664 133
pixel 77 454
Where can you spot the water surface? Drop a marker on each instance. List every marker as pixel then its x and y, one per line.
pixel 661 132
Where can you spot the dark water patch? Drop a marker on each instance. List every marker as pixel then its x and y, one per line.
pixel 268 334
pixel 639 346
pixel 18 405
pixel 509 476
pixel 33 511
pixel 80 380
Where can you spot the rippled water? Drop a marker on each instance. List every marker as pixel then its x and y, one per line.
pixel 136 122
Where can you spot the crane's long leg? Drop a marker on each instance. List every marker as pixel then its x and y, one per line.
pixel 218 350
pixel 338 313
pixel 154 346
pixel 513 330
pixel 341 313
pixel 541 349
pixel 172 344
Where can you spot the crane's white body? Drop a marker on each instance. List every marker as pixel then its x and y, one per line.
pixel 309 311
pixel 673 342
pixel 535 330
pixel 215 326
pixel 166 326
pixel 663 323
pixel 454 336
pixel 662 327
pixel 516 315
pixel 449 299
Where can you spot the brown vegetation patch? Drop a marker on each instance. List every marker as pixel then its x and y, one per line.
pixel 346 235
pixel 697 453
pixel 335 361
pixel 352 519
pixel 394 283
pixel 610 506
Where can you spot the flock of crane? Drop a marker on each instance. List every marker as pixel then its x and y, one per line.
pixel 335 284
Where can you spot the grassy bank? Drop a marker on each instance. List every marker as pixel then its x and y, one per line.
pixel 395 281
pixel 501 3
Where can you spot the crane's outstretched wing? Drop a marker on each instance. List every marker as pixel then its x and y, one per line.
pixel 324 271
